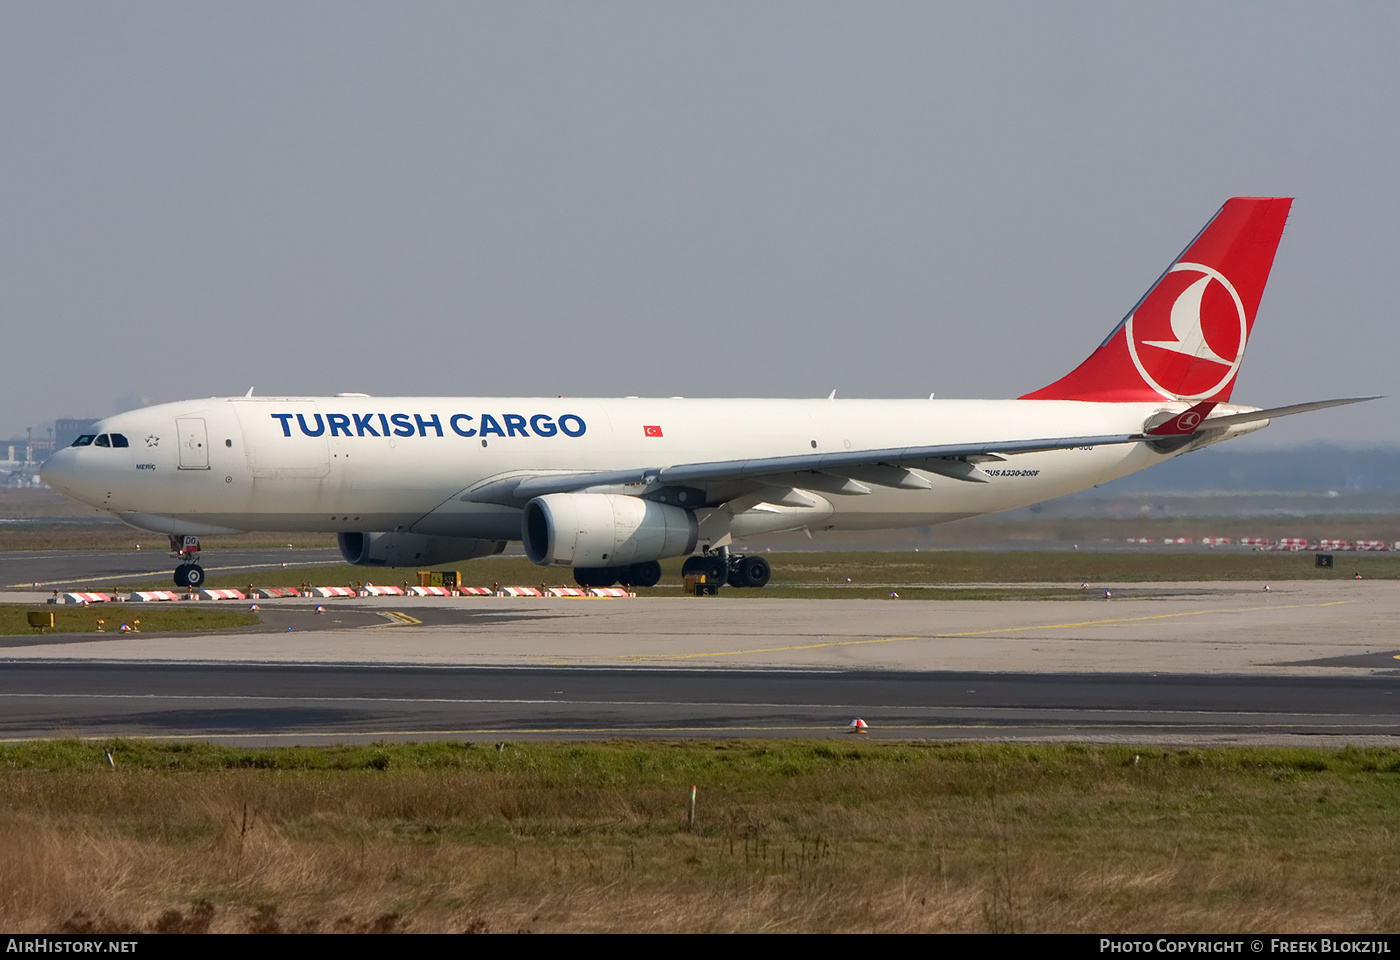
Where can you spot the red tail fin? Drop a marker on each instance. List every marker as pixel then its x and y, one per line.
pixel 1186 337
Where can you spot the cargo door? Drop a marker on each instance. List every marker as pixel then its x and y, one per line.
pixel 194 443
pixel 283 439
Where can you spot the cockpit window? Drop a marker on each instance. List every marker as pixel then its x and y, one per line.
pixel 83 441
pixel 119 440
pixel 102 441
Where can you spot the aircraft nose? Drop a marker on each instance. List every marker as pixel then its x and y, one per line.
pixel 57 471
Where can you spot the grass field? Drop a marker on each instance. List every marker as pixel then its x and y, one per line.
pixel 822 836
pixel 117 536
pixel 964 535
pixel 924 575
pixel 147 618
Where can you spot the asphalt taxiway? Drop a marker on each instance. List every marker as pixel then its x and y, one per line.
pixel 1306 661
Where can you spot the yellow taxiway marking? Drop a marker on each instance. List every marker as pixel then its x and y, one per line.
pixel 401 617
pixel 982 633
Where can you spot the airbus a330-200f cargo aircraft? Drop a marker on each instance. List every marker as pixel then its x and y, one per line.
pixel 610 487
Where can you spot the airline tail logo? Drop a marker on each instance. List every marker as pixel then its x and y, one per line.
pixel 1185 339
pixel 1189 333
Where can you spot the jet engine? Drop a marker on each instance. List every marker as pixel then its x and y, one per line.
pixel 604 530
pixel 411 549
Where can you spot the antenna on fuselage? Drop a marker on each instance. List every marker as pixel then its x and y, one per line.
pixel 833 395
pixel 249 393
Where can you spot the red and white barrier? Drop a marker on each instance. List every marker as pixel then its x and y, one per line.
pixel 476 592
pixel 87 598
pixel 1291 543
pixel 429 592
pixel 1216 541
pixel 609 592
pixel 1255 541
pixel 519 592
pixel 1178 540
pixel 1371 545
pixel 222 595
pixel 1334 544
pixel 272 593
pixel 371 590
pixel 149 596
pixel 566 592
pixel 330 593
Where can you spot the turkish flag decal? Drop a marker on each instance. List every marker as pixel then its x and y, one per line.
pixel 652 431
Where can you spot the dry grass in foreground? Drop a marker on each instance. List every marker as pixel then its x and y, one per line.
pixel 799 836
pixel 111 617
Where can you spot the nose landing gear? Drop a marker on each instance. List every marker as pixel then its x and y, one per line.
pixel 188 573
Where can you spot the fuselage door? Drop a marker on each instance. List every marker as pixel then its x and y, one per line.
pixel 194 443
pixel 285 439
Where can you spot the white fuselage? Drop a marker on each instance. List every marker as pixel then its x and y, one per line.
pixel 346 464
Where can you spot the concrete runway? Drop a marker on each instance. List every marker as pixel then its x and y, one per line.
pixel 1306 662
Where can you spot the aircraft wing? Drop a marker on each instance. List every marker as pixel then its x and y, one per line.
pixel 884 467
pixel 849 471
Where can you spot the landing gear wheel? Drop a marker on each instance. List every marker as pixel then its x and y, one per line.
pixel 595 576
pixel 188 573
pixel 641 574
pixel 714 567
pixel 750 572
pixel 716 570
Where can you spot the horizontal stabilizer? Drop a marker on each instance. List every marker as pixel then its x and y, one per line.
pixel 1256 415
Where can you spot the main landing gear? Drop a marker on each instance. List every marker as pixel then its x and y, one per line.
pixel 733 569
pixel 636 575
pixel 188 573
pixel 718 567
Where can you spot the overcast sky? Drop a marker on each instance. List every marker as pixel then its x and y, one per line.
pixel 706 199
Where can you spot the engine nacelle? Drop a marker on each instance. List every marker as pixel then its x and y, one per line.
pixel 411 549
pixel 604 530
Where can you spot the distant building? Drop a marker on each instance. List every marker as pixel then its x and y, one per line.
pixel 14 449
